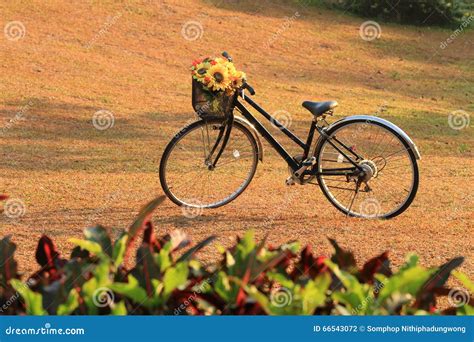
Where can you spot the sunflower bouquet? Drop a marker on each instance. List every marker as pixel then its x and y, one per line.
pixel 215 82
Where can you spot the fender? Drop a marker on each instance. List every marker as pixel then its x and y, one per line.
pixel 252 129
pixel 370 118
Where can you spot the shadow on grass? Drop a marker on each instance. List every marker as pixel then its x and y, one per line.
pixel 61 136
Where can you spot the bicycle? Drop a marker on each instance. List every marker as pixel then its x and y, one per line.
pixel 365 165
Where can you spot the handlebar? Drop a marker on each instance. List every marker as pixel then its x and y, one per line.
pixel 245 85
pixel 226 55
pixel 249 88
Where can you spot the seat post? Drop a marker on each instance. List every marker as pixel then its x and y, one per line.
pixel 309 140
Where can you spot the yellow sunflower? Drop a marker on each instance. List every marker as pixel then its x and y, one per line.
pixel 237 79
pixel 231 68
pixel 218 77
pixel 200 70
pixel 220 60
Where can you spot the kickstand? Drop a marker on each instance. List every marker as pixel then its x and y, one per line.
pixel 358 183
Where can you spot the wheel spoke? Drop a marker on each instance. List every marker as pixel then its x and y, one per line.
pixel 392 181
pixel 187 178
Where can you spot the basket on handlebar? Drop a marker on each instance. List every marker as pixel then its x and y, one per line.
pixel 209 103
pixel 215 85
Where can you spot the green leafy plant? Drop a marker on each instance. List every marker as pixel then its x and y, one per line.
pixel 99 278
pixel 424 12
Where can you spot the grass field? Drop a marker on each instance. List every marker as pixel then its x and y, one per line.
pixel 132 59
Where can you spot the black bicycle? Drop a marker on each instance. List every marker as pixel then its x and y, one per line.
pixel 366 166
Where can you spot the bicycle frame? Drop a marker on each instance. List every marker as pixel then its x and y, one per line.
pixel 306 146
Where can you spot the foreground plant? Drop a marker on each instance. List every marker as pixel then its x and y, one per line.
pixel 166 278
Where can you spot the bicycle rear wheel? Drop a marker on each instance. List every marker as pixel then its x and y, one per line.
pixel 186 172
pixel 390 179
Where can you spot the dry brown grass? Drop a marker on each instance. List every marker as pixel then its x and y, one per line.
pixel 71 175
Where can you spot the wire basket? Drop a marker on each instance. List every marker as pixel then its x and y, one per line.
pixel 208 103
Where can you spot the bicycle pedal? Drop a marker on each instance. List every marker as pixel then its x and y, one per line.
pixel 290 181
pixel 310 161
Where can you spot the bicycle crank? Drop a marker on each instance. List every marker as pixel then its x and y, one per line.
pixel 296 176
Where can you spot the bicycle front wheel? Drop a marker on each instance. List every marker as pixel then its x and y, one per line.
pixel 187 175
